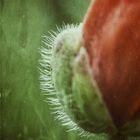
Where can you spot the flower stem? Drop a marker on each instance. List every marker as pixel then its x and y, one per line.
pixel 118 137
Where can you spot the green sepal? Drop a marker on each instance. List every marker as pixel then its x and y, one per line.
pixel 93 111
pixel 74 85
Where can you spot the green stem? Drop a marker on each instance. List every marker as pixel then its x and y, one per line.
pixel 118 137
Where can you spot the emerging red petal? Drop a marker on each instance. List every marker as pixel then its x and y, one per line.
pixel 111 36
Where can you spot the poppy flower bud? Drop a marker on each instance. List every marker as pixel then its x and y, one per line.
pixel 91 72
pixel 67 79
pixel 111 36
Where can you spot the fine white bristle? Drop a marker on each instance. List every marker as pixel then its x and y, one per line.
pixel 47 85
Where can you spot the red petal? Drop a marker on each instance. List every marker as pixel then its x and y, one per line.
pixel 111 36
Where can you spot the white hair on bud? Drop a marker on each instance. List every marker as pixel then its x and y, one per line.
pixel 46 80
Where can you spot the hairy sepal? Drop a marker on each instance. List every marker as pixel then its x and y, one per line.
pixel 94 116
pixel 74 86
